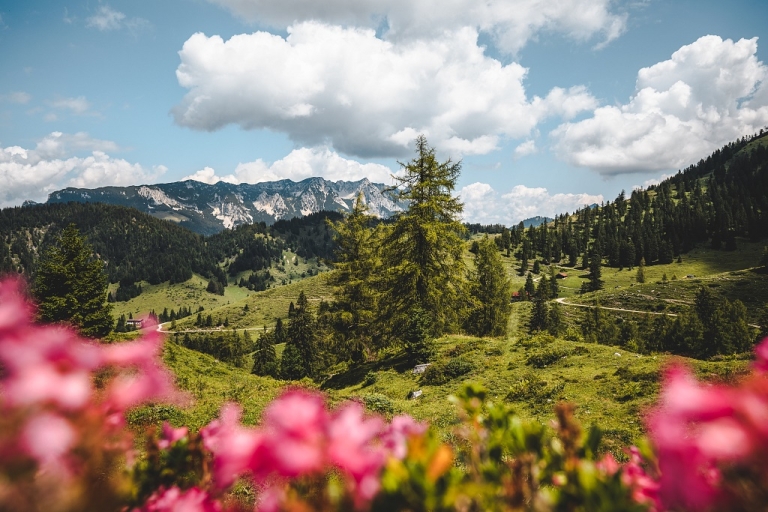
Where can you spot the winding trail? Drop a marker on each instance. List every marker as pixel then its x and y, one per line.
pixel 561 300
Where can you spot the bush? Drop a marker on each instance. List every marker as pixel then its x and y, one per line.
pixel 548 356
pixel 440 373
pixel 376 402
pixel 532 389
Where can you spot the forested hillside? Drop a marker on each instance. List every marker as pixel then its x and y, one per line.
pixel 717 200
pixel 138 247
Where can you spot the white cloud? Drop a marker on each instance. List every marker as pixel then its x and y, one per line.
pixel 526 148
pixel 299 164
pixel 484 205
pixel 106 18
pixel 20 97
pixel 362 95
pixel 34 173
pixel 511 24
pixel 79 105
pixel 204 175
pixel 709 93
pixel 652 181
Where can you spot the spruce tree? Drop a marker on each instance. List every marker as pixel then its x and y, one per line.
pixel 265 357
pixel 539 315
pixel 422 251
pixel 71 286
pixel 640 277
pixel 355 303
pixel 417 342
pixel 530 287
pixel 490 289
pixel 300 357
pixel 595 272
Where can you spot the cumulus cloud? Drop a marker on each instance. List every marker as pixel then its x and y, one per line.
pixel 20 97
pixel 526 148
pixel 344 87
pixel 511 24
pixel 299 164
pixel 52 165
pixel 709 93
pixel 485 205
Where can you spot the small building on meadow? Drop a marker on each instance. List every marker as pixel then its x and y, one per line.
pixel 134 323
pixel 561 275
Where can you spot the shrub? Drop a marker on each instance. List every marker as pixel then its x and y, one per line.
pixel 376 402
pixel 547 356
pixel 440 373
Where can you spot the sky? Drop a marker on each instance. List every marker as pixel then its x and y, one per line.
pixel 549 104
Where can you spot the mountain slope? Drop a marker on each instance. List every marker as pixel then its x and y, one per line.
pixel 208 209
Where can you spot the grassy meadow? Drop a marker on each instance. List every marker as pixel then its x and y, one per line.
pixel 612 387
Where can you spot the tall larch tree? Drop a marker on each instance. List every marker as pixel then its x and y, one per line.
pixel 422 251
pixel 71 285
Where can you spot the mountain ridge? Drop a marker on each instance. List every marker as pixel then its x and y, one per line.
pixel 209 209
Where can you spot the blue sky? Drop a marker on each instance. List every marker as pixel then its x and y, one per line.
pixel 550 105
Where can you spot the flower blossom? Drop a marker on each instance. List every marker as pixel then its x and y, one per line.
pixel 299 437
pixel 699 430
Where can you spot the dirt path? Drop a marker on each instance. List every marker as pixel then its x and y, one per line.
pixel 561 300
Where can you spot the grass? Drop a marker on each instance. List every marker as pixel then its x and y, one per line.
pixel 613 387
pixel 264 308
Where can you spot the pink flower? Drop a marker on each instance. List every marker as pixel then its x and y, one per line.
pixel 236 449
pixel 47 437
pixel 170 435
pixel 761 357
pixel 176 500
pixel 294 424
pixel 349 440
pixel 608 464
pixel 395 437
pixel 644 488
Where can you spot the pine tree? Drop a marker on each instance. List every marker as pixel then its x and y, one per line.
pixel 640 276
pixel 71 286
pixel 265 357
pixel 422 251
pixel 539 315
pixel 490 289
pixel 279 334
pixel 555 324
pixel 530 287
pixel 417 342
pixel 355 303
pixel 595 272
pixel 301 344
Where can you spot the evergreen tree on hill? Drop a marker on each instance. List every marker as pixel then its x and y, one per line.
pixel 355 303
pixel 490 290
pixel 300 358
pixel 422 251
pixel 265 357
pixel 71 286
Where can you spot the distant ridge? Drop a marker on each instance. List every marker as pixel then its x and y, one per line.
pixel 536 221
pixel 208 209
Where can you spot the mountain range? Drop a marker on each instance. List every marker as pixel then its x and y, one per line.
pixel 208 209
